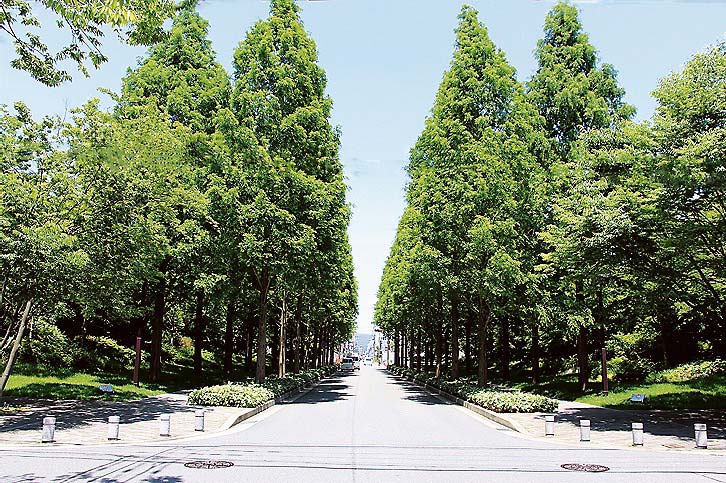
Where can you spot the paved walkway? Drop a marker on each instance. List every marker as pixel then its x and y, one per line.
pixel 85 422
pixel 612 427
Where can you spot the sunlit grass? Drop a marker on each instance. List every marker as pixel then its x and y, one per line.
pixel 76 386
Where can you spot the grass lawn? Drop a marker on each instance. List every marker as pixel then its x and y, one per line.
pixel 64 383
pixel 707 393
pixel 75 386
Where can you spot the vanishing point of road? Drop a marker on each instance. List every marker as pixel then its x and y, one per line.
pixel 367 427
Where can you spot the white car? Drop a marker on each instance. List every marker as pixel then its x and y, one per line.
pixel 347 364
pixel 356 362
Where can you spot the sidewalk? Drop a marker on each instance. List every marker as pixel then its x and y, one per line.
pixel 663 429
pixel 85 422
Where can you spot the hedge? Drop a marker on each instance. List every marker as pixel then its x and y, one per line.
pixel 493 399
pixel 250 394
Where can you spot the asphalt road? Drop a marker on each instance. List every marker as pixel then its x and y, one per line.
pixel 367 427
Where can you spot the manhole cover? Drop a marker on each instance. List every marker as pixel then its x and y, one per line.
pixel 588 468
pixel 208 465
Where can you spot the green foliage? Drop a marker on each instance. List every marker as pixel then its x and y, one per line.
pixel 690 372
pixel 236 395
pixel 102 353
pixel 48 346
pixel 139 22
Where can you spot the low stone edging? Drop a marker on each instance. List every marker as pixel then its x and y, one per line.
pixel 496 417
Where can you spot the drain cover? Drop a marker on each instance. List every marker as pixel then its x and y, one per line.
pixel 208 465
pixel 588 468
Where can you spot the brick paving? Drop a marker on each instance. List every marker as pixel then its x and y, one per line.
pixel 662 429
pixel 85 422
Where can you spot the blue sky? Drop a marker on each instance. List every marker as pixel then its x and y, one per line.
pixel 385 59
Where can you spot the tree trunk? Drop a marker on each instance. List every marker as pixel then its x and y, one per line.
pixel 506 354
pixel 157 322
pixel 483 319
pixel 229 334
pixel 297 342
pixel 283 322
pixel 582 372
pixel 454 335
pixel 439 334
pixel 262 327
pixel 467 343
pixel 535 352
pixel 199 332
pixel 250 349
pixel 16 347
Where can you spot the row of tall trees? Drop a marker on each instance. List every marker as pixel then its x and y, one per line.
pixel 201 206
pixel 542 223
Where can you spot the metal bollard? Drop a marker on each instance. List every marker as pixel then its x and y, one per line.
pixel 637 434
pixel 48 430
pixel 165 425
pixel 549 424
pixel 199 420
pixel 701 435
pixel 585 430
pixel 113 427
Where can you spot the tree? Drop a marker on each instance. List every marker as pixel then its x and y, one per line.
pixel 285 163
pixel 139 22
pixel 182 78
pixel 573 95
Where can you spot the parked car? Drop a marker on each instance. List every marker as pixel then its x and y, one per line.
pixel 356 362
pixel 347 364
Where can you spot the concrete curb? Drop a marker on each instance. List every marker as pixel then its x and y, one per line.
pixel 496 417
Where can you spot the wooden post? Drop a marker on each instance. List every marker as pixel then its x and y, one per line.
pixel 137 359
pixel 604 372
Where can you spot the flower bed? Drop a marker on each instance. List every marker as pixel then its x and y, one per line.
pixel 250 394
pixel 489 398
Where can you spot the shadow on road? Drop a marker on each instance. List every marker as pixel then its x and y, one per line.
pixel 413 392
pixel 331 389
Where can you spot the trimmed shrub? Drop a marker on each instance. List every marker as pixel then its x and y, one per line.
pixel 501 401
pixel 236 395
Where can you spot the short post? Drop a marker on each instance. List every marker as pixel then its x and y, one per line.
pixel 585 430
pixel 701 435
pixel 604 372
pixel 549 424
pixel 637 434
pixel 199 420
pixel 113 427
pixel 48 430
pixel 165 425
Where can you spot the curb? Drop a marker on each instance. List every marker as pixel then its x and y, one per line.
pixel 496 417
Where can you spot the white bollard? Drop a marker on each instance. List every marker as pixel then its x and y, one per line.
pixel 585 430
pixel 701 435
pixel 637 434
pixel 113 427
pixel 199 420
pixel 48 430
pixel 165 425
pixel 549 424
